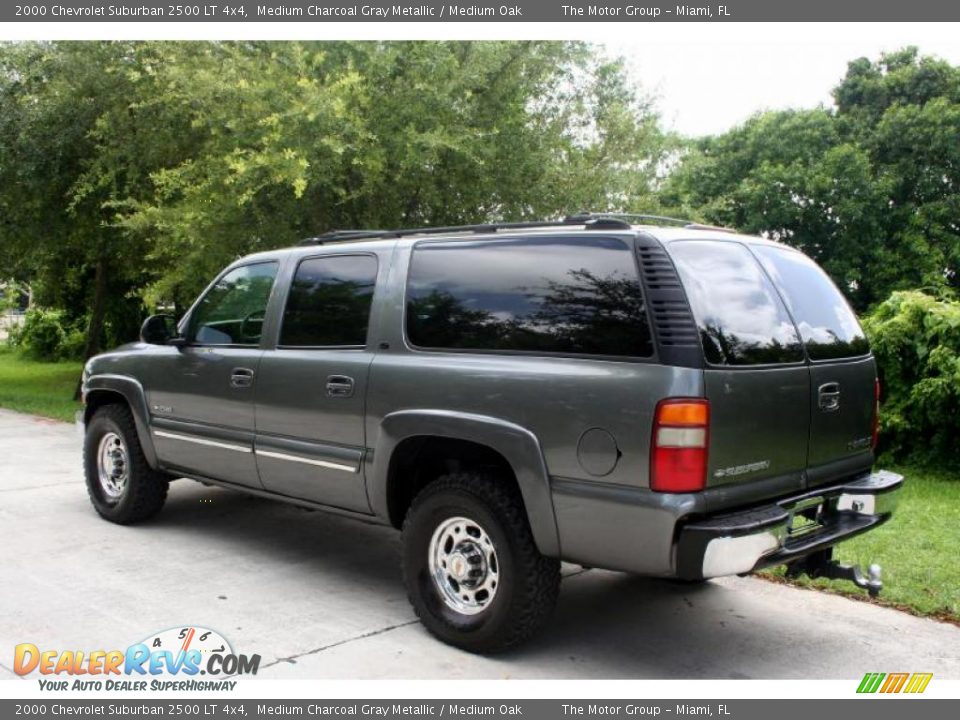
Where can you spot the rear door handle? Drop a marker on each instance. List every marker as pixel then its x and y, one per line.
pixel 241 377
pixel 828 397
pixel 339 386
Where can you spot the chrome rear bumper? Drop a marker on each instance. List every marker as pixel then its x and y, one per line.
pixel 785 530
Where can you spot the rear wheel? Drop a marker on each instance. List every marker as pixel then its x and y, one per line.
pixel 120 482
pixel 472 570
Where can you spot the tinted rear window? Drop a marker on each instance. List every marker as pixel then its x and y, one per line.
pixel 550 295
pixel 741 319
pixel 827 324
pixel 329 302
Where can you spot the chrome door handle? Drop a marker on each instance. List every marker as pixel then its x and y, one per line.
pixel 339 386
pixel 828 397
pixel 241 377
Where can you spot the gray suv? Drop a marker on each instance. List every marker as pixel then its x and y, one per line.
pixel 630 393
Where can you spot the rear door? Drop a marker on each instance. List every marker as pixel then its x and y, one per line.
pixel 312 386
pixel 842 372
pixel 756 376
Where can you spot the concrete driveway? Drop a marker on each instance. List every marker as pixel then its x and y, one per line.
pixel 319 596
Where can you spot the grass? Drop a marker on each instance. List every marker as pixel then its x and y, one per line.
pixel 39 388
pixel 917 549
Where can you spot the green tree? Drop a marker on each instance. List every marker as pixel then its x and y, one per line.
pixel 56 231
pixel 133 171
pixel 868 188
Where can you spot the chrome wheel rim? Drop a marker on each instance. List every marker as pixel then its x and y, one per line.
pixel 463 565
pixel 112 466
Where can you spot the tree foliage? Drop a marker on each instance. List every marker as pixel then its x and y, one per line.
pixel 916 340
pixel 133 171
pixel 869 188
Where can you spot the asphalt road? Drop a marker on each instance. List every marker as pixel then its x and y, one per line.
pixel 320 597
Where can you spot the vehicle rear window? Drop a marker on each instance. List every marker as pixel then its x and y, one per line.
pixel 329 302
pixel 827 325
pixel 541 295
pixel 741 319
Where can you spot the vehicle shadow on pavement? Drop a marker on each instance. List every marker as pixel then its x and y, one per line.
pixel 282 535
pixel 607 625
pixel 654 628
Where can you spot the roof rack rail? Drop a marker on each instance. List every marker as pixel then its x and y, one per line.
pixel 343 236
pixel 688 224
pixel 601 220
pixel 701 226
pixel 634 216
pixel 590 219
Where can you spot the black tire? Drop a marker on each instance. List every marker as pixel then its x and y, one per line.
pixel 145 489
pixel 528 582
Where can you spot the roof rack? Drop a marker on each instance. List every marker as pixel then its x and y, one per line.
pixel 664 219
pixel 590 219
pixel 605 221
pixel 343 236
pixel 641 217
pixel 718 228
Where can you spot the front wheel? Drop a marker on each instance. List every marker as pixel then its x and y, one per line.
pixel 122 486
pixel 472 570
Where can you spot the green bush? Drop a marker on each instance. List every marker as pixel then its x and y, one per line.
pixel 43 335
pixel 73 345
pixel 916 340
pixel 14 335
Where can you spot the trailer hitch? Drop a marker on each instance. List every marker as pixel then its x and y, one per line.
pixel 821 564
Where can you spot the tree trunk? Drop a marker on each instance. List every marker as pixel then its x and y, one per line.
pixel 97 314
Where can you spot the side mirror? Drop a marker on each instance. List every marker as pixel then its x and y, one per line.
pixel 158 330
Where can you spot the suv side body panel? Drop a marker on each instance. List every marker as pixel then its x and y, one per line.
pixel 517 445
pixel 310 406
pixel 201 396
pixel 551 401
pixel 121 383
pixel 201 424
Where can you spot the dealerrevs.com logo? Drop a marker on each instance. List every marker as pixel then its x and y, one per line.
pixel 173 659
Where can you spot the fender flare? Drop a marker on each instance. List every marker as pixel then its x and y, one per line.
pixel 132 392
pixel 516 444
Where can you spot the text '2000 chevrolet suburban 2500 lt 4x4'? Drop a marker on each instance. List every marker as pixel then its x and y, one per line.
pixel 660 398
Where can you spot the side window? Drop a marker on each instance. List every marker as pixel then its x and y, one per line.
pixel 544 294
pixel 232 311
pixel 329 302
pixel 827 324
pixel 740 316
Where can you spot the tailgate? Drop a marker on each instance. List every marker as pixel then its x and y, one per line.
pixel 842 372
pixel 841 426
pixel 757 380
pixel 789 375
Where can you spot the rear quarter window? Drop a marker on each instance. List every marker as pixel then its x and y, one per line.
pixel 740 316
pixel 827 324
pixel 558 295
pixel 329 302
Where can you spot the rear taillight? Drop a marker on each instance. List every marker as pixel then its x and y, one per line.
pixel 875 430
pixel 678 453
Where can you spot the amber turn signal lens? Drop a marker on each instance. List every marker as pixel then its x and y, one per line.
pixel 683 414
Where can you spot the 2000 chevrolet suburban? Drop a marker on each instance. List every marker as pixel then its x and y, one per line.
pixel 663 399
